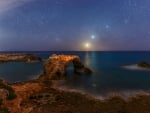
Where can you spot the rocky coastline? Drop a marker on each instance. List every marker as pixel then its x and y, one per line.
pixel 18 57
pixel 38 96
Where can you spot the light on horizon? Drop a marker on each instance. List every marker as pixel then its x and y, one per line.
pixel 87 45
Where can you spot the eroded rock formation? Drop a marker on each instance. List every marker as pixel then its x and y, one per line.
pixel 55 67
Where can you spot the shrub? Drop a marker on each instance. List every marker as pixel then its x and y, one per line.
pixel 11 94
pixel 4 110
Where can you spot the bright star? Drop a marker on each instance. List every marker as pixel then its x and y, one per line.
pixel 93 37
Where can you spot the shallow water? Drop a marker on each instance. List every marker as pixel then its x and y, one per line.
pixel 20 71
pixel 135 67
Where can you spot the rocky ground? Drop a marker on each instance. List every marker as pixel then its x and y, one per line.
pixel 40 97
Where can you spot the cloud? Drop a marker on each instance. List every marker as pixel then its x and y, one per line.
pixel 6 5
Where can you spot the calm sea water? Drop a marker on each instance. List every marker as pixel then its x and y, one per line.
pixel 108 72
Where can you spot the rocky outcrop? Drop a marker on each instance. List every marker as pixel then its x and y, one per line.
pixel 6 92
pixel 79 68
pixel 55 67
pixel 17 57
pixel 144 65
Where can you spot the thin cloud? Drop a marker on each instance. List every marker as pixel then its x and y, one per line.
pixel 6 5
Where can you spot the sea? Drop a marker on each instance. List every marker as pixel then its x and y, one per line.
pixel 114 72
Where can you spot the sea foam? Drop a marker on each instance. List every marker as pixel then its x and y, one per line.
pixel 135 67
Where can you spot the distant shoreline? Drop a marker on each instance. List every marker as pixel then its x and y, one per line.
pixel 18 57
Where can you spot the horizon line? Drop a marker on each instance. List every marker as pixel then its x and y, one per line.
pixel 76 51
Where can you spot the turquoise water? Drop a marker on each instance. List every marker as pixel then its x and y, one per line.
pixel 108 72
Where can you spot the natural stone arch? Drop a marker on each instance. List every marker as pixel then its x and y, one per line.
pixel 55 67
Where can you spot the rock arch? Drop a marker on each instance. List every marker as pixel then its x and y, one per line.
pixel 55 67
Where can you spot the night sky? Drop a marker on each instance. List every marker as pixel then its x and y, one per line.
pixel 98 25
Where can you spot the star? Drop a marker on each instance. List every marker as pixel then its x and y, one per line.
pixel 57 39
pixel 126 21
pixel 107 26
pixel 92 36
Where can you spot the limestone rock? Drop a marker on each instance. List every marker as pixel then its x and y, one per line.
pixel 55 67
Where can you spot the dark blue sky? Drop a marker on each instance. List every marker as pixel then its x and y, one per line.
pixel 72 24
